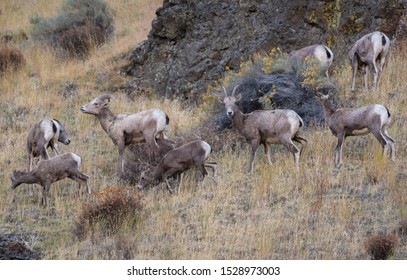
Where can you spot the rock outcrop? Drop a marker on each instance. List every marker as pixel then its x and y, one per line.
pixel 192 41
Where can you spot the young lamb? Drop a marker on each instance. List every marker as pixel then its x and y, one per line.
pixel 46 133
pixel 321 53
pixel 266 127
pixel 126 129
pixel 373 119
pixel 178 160
pixel 50 171
pixel 370 51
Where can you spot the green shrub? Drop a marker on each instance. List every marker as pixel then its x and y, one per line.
pixel 109 211
pixel 79 26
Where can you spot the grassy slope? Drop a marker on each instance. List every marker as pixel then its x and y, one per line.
pixel 319 213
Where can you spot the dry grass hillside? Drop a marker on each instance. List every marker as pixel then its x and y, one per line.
pixel 319 213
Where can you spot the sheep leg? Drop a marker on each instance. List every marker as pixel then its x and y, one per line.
pixel 298 138
pixel 381 65
pixel 149 135
pixel 212 165
pixel 338 150
pixel 391 142
pixel 294 150
pixel 267 152
pixel 375 75
pixel 382 140
pixel 121 146
pixel 56 149
pixel 168 185
pixel 80 178
pixel 255 144
pixel 45 193
pixel 354 70
pixel 30 162
pixel 366 77
pixel 43 150
pixel 181 176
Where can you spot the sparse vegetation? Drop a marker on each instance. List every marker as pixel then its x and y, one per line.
pixel 79 26
pixel 10 59
pixel 319 213
pixel 108 211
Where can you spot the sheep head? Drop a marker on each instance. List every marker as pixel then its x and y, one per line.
pixel 97 105
pixel 14 182
pixel 64 136
pixel 230 102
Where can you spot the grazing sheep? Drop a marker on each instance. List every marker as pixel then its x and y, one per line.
pixel 370 51
pixel 266 127
pixel 46 133
pixel 50 171
pixel 126 129
pixel 356 122
pixel 321 53
pixel 178 160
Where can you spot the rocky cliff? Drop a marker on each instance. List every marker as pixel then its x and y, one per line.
pixel 192 41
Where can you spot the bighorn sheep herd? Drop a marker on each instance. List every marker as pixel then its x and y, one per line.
pixel 261 127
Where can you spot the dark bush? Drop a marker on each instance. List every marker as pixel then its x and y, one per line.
pixel 381 247
pixel 402 230
pixel 110 210
pixel 271 82
pixel 10 59
pixel 80 26
pixel 143 158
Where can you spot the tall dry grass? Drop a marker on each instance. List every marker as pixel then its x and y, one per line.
pixel 318 213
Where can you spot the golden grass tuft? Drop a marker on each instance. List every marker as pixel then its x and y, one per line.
pixel 108 211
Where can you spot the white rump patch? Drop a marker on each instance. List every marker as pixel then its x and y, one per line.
pixel 77 159
pixel 207 148
pixel 47 129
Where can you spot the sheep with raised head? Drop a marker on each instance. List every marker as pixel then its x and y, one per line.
pixel 343 122
pixel 266 127
pixel 46 133
pixel 52 170
pixel 321 53
pixel 178 160
pixel 126 129
pixel 369 52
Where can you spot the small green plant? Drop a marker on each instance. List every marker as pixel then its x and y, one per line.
pixel 80 26
pixel 109 210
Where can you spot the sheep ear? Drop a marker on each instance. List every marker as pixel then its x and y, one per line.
pixel 238 97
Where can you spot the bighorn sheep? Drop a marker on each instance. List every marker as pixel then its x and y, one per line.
pixel 369 51
pixel 266 127
pixel 50 171
pixel 356 122
pixel 126 129
pixel 178 160
pixel 46 133
pixel 321 53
